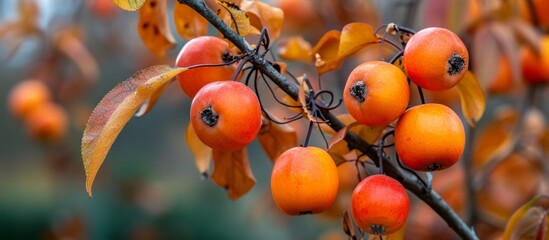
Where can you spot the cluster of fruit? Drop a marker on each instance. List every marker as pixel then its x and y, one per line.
pixel 226 116
pixel 31 102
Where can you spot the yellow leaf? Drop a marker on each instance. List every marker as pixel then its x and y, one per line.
pixel 202 153
pixel 334 47
pixel 129 5
pixel 188 23
pixel 276 138
pixel 240 21
pixel 473 101
pixel 517 217
pixel 296 49
pixel 270 17
pixel 232 171
pixel 153 27
pixel 115 110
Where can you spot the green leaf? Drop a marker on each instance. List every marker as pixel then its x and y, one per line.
pixel 129 5
pixel 115 110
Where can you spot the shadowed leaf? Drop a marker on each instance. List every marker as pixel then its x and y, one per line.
pixel 202 153
pixel 153 27
pixel 348 226
pixel 524 223
pixel 473 101
pixel 269 17
pixel 129 5
pixel 332 49
pixel 304 89
pixel 232 171
pixel 188 23
pixel 296 49
pixel 115 110
pixel 276 138
pixel 238 18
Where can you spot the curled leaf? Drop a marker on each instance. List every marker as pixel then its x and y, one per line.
pixel 525 221
pixel 115 110
pixel 471 95
pixel 296 49
pixel 129 5
pixel 188 23
pixel 332 49
pixel 303 90
pixel 276 138
pixel 240 21
pixel 232 171
pixel 269 17
pixel 153 27
pixel 202 153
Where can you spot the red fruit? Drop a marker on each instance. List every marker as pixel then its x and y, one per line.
pixel 226 115
pixel 380 205
pixel 204 50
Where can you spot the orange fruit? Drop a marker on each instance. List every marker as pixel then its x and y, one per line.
pixel 535 67
pixel 26 96
pixel 376 93
pixel 226 115
pixel 435 59
pixel 380 205
pixel 304 180
pixel 48 122
pixel 503 80
pixel 429 137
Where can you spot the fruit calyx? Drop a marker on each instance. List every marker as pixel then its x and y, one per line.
pixel 377 229
pixel 434 167
pixel 305 213
pixel 209 116
pixel 358 91
pixel 456 64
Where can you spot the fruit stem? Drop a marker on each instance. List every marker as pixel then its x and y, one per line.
pixel 309 131
pixel 209 116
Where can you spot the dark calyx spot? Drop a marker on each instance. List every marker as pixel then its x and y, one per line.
pixel 377 229
pixel 152 4
pixel 358 91
pixel 305 213
pixel 209 116
pixel 227 57
pixel 456 64
pixel 434 167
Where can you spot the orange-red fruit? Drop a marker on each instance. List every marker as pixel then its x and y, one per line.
pixel 226 115
pixel 48 122
pixel 429 137
pixel 435 59
pixel 380 205
pixel 535 67
pixel 304 180
pixel 204 50
pixel 26 96
pixel 376 93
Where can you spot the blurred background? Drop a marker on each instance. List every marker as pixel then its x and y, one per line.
pixel 148 187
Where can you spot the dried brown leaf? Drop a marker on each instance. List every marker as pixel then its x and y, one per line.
pixel 202 153
pixel 113 112
pixel 232 171
pixel 188 23
pixel 153 27
pixel 276 138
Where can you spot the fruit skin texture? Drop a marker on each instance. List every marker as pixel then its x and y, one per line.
pixel 429 137
pixel 380 205
pixel 26 96
pixel 376 93
pixel 535 68
pixel 48 122
pixel 204 50
pixel 435 59
pixel 226 115
pixel 304 180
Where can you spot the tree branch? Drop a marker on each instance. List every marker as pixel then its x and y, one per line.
pixel 408 180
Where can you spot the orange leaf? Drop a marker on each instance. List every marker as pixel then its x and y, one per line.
pixel 69 41
pixel 296 49
pixel 188 23
pixel 473 101
pixel 332 49
pixel 232 171
pixel 276 138
pixel 240 21
pixel 496 138
pixel 129 5
pixel 153 27
pixel 115 110
pixel 270 17
pixel 522 221
pixel 202 153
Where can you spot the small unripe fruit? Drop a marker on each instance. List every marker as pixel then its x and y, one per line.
pixel 48 122
pixel 26 96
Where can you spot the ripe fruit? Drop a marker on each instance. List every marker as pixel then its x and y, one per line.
pixel 26 96
pixel 380 205
pixel 48 122
pixel 535 68
pixel 376 93
pixel 435 58
pixel 429 137
pixel 226 115
pixel 304 180
pixel 204 50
